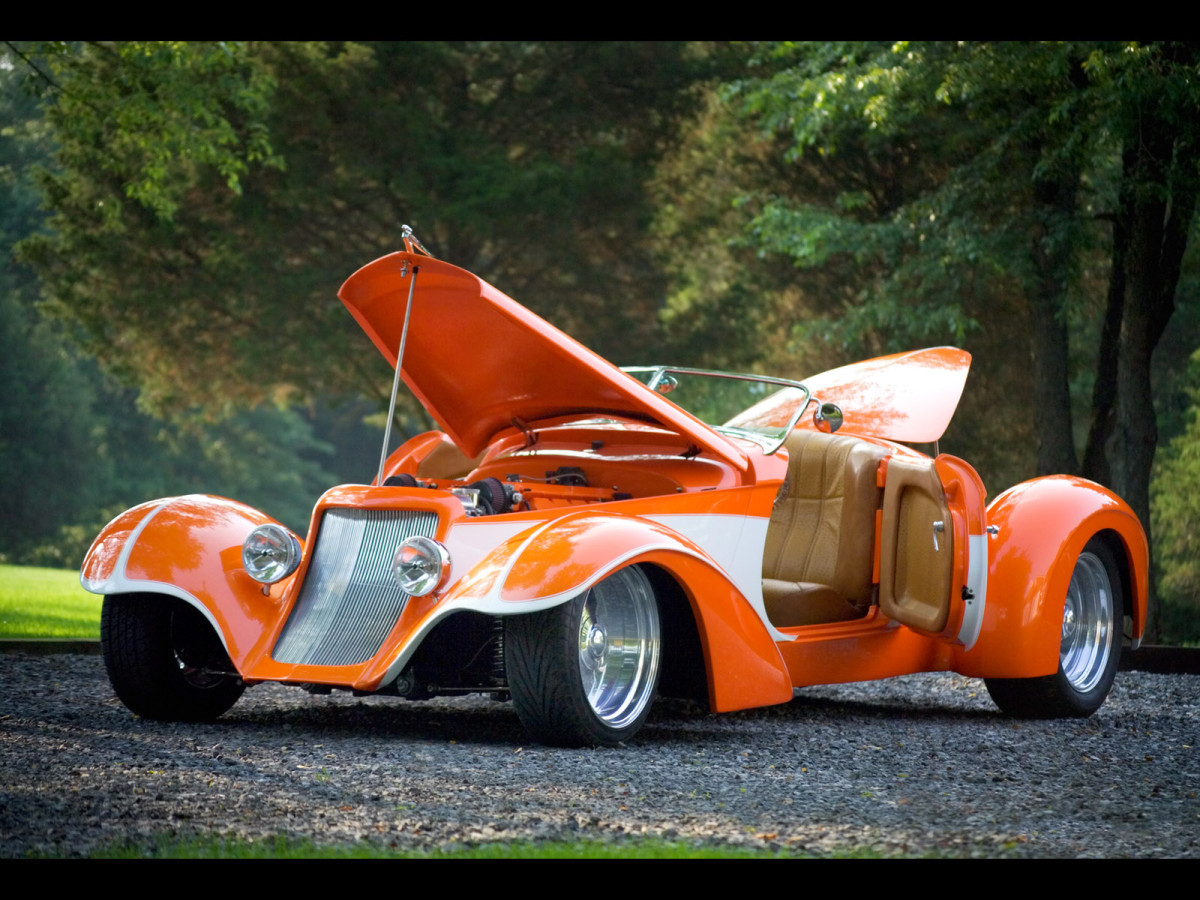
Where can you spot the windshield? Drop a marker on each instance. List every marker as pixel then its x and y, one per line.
pixel 727 401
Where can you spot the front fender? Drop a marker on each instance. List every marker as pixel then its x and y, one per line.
pixel 188 547
pixel 1041 527
pixel 548 565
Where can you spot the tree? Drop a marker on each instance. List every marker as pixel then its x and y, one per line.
pixel 1153 106
pixel 45 401
pixel 74 447
pixel 940 186
pixel 918 200
pixel 206 273
pixel 1175 504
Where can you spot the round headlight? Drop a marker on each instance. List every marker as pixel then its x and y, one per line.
pixel 420 565
pixel 270 553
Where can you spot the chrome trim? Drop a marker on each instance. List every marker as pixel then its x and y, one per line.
pixel 387 431
pixel 349 603
pixel 770 445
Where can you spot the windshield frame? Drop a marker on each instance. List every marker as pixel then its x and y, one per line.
pixel 769 444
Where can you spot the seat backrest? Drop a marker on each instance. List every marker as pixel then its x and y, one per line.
pixel 822 528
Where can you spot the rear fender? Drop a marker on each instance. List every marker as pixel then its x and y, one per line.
pixel 191 548
pixel 1040 528
pixel 546 566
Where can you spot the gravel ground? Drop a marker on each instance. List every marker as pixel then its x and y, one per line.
pixel 917 764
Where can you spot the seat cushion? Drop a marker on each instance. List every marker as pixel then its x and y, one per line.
pixel 804 603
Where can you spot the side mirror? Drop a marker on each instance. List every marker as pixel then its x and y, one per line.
pixel 667 384
pixel 828 417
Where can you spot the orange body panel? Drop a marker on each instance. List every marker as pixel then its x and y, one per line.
pixel 104 555
pixel 877 396
pixel 470 402
pixel 863 650
pixel 189 547
pixel 1042 526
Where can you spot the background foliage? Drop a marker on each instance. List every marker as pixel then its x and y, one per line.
pixel 184 213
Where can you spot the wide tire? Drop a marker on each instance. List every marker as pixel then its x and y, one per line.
pixel 585 673
pixel 164 659
pixel 1090 653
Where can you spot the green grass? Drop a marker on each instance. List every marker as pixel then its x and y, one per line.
pixel 46 603
pixel 282 847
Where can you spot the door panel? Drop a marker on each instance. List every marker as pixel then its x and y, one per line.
pixel 916 561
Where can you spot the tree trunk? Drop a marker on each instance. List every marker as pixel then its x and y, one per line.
pixel 1163 198
pixel 1050 253
pixel 1104 392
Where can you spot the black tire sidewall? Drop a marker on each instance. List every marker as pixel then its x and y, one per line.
pixel 138 644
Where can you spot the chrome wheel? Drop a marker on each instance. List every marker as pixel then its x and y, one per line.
pixel 586 672
pixel 1088 628
pixel 619 645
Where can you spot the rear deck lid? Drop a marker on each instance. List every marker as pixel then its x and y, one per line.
pixel 907 397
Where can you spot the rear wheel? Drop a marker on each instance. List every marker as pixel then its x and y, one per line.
pixel 164 659
pixel 1090 648
pixel 585 673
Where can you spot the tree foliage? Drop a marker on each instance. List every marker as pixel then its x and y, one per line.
pixel 1034 199
pixel 1176 517
pixel 778 205
pixel 74 447
pixel 210 278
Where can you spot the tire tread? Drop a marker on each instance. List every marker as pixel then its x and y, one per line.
pixel 135 636
pixel 542 663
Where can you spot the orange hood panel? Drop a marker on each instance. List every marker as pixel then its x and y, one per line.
pixel 478 361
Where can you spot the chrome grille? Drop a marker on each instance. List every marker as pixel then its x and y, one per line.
pixel 348 602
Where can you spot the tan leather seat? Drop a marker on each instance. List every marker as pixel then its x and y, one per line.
pixel 820 551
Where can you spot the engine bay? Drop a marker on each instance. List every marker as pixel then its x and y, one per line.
pixel 568 465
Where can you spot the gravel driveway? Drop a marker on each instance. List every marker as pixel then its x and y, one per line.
pixel 915 764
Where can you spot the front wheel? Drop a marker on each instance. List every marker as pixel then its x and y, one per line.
pixel 164 659
pixel 585 673
pixel 1093 615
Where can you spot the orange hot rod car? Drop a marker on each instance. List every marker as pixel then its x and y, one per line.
pixel 579 539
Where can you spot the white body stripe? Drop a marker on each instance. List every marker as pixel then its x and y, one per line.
pixel 733 543
pixel 470 541
pixel 736 544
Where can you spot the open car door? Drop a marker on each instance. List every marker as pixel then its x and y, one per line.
pixel 933 547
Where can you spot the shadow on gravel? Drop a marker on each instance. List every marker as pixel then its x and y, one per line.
pixel 828 708
pixel 484 722
pixel 398 719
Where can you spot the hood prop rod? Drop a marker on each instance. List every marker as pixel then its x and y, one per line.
pixel 387 431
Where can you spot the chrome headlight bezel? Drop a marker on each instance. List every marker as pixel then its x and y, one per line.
pixel 420 566
pixel 270 553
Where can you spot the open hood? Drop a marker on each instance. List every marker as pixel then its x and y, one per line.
pixel 480 363
pixel 907 397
